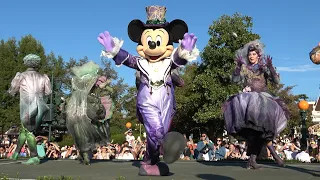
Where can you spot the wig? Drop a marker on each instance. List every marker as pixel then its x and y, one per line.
pixel 31 60
pixel 255 45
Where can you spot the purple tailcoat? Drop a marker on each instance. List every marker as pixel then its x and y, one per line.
pixel 155 106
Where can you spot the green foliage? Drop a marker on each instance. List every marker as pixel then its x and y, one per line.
pixel 187 102
pixel 129 104
pixel 120 89
pixel 66 140
pixel 291 101
pixel 9 108
pixel 212 82
pixel 118 138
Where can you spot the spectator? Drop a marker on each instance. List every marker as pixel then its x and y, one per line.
pixel 12 147
pixel 126 154
pixel 221 151
pixel 129 137
pixel 204 148
pixel 41 141
pixel 233 152
pixel 74 154
pixel 3 154
pixel 303 156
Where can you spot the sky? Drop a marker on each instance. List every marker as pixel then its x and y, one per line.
pixel 289 29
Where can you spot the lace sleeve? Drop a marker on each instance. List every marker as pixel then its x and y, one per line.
pixel 15 84
pixel 238 75
pixel 272 75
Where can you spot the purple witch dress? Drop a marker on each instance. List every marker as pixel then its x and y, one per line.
pixel 156 104
pixel 255 114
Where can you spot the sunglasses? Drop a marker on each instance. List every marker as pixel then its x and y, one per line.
pixel 218 140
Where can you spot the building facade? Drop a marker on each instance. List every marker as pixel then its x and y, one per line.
pixel 314 107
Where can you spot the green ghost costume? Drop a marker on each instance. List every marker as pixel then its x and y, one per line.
pixel 86 111
pixel 33 87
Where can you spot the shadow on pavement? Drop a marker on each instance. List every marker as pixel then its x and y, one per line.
pixel 243 164
pixel 212 176
pixel 311 172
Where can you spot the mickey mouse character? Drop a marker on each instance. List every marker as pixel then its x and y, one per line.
pixel 155 97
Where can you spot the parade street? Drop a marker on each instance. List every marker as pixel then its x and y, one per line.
pixel 181 170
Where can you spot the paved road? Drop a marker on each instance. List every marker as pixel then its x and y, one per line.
pixel 181 170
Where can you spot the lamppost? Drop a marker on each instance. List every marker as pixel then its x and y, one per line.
pixel 303 106
pixel 139 125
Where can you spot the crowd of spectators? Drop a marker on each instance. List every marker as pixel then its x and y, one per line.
pixel 205 149
pixel 223 148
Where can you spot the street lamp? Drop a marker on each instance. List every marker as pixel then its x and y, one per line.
pixel 139 128
pixel 303 106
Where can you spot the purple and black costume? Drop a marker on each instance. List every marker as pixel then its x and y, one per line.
pixel 255 115
pixel 155 97
pixel 155 100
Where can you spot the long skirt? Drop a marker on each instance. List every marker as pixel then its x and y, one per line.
pixel 258 112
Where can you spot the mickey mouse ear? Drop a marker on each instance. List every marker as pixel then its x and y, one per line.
pixel 177 29
pixel 135 29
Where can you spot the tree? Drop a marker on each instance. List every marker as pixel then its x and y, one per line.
pixel 130 111
pixel 213 82
pixel 186 104
pixel 119 97
pixel 57 77
pixel 129 104
pixel 291 101
pixel 9 108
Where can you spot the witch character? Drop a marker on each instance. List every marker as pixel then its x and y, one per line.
pixel 89 109
pixel 254 113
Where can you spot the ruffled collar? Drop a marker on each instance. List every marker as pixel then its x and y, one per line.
pixel 254 67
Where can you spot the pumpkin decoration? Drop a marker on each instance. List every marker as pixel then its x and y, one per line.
pixel 315 55
pixel 128 125
pixel 303 105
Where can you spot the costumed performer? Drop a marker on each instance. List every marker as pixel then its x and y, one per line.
pixel 33 87
pixel 255 114
pixel 155 97
pixel 89 109
pixel 315 54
